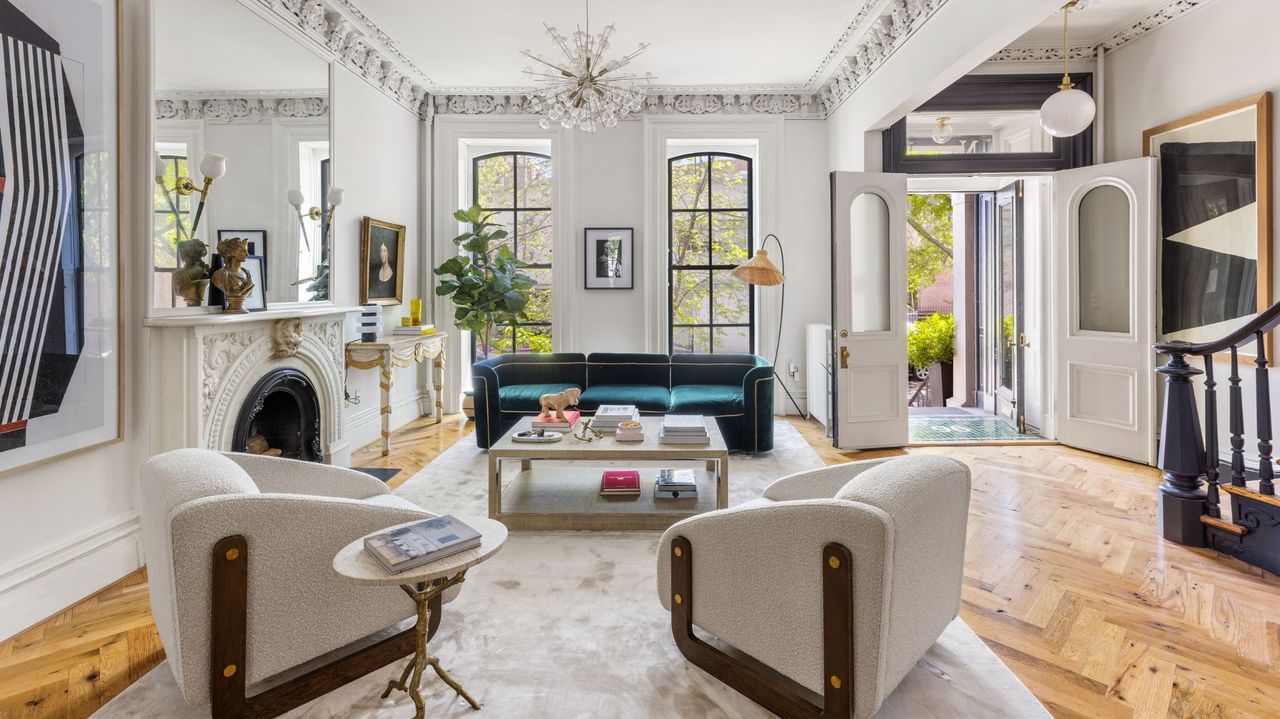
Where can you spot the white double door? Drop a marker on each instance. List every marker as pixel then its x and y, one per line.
pixel 1102 284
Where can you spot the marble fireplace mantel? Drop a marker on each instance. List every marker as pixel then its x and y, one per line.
pixel 205 365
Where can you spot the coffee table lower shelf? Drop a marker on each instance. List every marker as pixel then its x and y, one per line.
pixel 559 497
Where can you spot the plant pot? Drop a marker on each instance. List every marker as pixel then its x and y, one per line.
pixel 947 380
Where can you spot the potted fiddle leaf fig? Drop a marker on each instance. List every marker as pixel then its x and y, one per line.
pixel 485 282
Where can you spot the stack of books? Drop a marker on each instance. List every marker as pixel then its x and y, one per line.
pixel 414 330
pixel 426 541
pixel 620 483
pixel 609 416
pixel 684 429
pixel 630 431
pixel 552 421
pixel 675 483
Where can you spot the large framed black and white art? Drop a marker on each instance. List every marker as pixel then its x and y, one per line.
pixel 60 312
pixel 1215 218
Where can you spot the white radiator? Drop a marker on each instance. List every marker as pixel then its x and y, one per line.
pixel 817 361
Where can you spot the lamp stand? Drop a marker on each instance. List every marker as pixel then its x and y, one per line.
pixel 782 308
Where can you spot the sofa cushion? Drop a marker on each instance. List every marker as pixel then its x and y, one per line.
pixel 539 368
pixel 646 398
pixel 614 368
pixel 721 368
pixel 706 399
pixel 524 397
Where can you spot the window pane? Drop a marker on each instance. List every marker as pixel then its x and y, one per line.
pixel 499 342
pixel 730 186
pixel 505 220
pixel 533 339
pixel 534 239
pixel 869 238
pixel 690 293
pixel 494 181
pixel 1102 269
pixel 533 181
pixel 729 232
pixel 732 339
pixel 691 339
pixel 689 183
pixel 166 244
pixel 1006 299
pixel 689 238
pixel 539 307
pixel 731 299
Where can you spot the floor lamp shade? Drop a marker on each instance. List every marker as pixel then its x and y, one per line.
pixel 759 270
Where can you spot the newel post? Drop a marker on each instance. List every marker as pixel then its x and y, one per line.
pixel 1182 494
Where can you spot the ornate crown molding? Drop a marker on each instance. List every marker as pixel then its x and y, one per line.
pixel 1115 38
pixel 799 106
pixel 837 50
pixel 233 108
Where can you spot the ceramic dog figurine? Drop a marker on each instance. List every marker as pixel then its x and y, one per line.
pixel 556 403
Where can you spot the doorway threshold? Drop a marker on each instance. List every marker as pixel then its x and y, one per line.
pixel 966 428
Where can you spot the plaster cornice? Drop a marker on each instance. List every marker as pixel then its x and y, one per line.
pixel 241 108
pixel 1113 39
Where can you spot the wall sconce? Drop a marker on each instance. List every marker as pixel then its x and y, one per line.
pixel 296 199
pixel 213 166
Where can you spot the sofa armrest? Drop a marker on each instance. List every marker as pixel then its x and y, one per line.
pixel 757 402
pixel 292 476
pixel 485 403
pixel 757 581
pixel 820 483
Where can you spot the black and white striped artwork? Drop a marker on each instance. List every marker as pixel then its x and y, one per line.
pixel 59 309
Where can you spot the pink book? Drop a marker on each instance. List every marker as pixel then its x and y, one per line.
pixel 620 481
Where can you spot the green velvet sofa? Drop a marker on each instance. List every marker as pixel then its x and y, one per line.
pixel 736 389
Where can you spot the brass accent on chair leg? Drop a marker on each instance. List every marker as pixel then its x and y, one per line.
pixel 229 638
pixel 756 680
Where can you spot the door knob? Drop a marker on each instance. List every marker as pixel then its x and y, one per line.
pixel 844 357
pixel 1022 340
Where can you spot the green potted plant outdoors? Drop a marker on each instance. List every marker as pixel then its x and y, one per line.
pixel 933 341
pixel 486 285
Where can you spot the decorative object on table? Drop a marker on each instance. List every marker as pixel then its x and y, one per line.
pixel 550 423
pixel 414 545
pixel 60 367
pixel 286 337
pixel 584 90
pixel 370 322
pixel 608 417
pixel 319 287
pixel 760 270
pixel 620 483
pixel 415 311
pixel 386 353
pixel 381 262
pixel 487 287
pixel 412 330
pixel 230 279
pixel 1215 218
pixel 556 402
pixel 675 484
pixel 537 436
pixel 609 253
pixel 1069 111
pixel 257 240
pixel 586 433
pixel 630 431
pixel 191 282
pixel 684 429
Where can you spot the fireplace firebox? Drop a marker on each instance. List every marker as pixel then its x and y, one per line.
pixel 281 417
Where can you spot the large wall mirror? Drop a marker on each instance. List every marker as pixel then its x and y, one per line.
pixel 242 119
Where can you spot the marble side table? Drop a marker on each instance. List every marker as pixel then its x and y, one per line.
pixel 422 584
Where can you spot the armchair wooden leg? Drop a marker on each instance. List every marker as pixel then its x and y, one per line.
pixel 229 639
pixel 751 677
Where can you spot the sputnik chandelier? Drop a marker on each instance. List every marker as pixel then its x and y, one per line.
pixel 583 90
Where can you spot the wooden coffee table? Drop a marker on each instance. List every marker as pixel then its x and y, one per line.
pixel 542 496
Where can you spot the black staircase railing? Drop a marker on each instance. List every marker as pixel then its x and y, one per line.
pixel 1191 494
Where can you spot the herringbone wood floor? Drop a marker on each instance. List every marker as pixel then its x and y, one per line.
pixel 1066 579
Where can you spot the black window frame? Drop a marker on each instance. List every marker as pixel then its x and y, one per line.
pixel 710 267
pixel 992 93
pixel 515 211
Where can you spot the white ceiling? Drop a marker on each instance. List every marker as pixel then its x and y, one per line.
pixel 221 46
pixel 704 43
pixel 1096 22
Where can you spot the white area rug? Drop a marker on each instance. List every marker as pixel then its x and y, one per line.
pixel 568 625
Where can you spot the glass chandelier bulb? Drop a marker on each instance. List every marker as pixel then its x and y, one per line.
pixel 943 132
pixel 1067 112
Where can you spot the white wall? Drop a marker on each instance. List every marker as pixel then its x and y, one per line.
pixel 378 160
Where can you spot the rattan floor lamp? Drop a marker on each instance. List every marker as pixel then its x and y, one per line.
pixel 760 270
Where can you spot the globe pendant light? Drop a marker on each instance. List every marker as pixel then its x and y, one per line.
pixel 1069 111
pixel 942 132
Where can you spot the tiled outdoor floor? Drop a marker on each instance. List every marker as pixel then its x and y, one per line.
pixel 963 429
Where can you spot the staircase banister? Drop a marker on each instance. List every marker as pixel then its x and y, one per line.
pixel 1264 321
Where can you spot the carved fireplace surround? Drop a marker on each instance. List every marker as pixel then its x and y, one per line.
pixel 205 366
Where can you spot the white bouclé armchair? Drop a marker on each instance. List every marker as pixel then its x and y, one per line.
pixel 839 579
pixel 276 524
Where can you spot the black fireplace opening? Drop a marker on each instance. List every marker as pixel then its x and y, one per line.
pixel 281 417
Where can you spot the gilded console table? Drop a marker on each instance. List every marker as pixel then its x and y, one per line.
pixel 390 351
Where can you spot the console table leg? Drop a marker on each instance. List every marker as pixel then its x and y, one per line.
pixel 385 386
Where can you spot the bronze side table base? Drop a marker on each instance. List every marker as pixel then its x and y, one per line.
pixel 422 593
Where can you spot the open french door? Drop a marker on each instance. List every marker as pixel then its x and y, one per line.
pixel 1006 298
pixel 1104 313
pixel 868 297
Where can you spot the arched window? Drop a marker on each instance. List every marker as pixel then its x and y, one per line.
pixel 516 187
pixel 709 227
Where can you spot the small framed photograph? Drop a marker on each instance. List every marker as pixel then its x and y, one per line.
pixel 256 266
pixel 609 253
pixel 257 246
pixel 381 262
